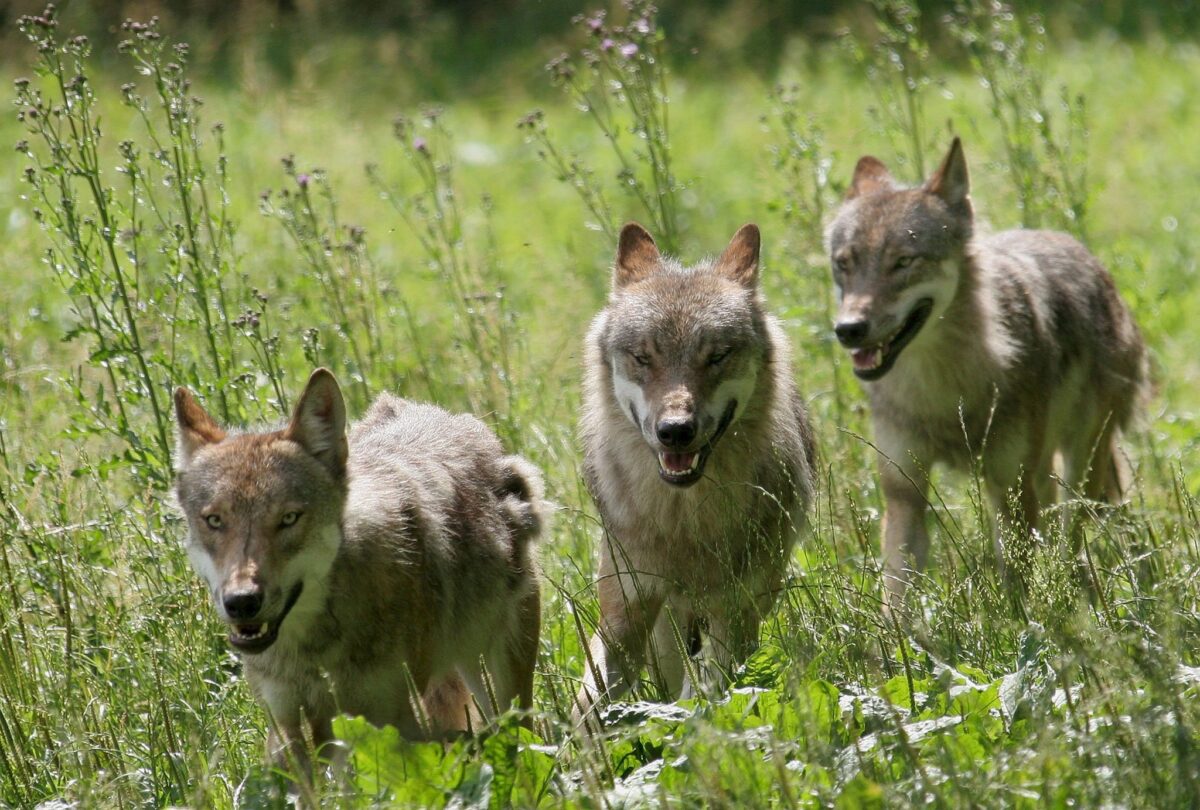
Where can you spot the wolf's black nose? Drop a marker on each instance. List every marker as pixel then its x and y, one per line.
pixel 676 432
pixel 242 604
pixel 851 333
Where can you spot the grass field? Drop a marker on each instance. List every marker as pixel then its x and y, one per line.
pixel 459 268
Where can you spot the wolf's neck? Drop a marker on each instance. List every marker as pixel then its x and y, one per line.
pixel 966 354
pixel 972 328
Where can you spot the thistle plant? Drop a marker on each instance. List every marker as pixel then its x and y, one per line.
pixel 619 80
pixel 1045 139
pixel 428 200
pixel 336 255
pixel 803 162
pixel 144 259
pixel 896 66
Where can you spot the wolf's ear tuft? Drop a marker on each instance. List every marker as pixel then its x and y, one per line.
pixel 196 427
pixel 740 260
pixel 637 255
pixel 870 176
pixel 319 422
pixel 951 181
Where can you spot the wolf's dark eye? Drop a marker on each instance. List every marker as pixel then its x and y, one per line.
pixel 904 261
pixel 213 521
pixel 642 360
pixel 289 519
pixel 718 357
pixel 841 264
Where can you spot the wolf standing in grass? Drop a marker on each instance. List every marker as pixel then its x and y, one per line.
pixel 699 455
pixel 347 572
pixel 1007 348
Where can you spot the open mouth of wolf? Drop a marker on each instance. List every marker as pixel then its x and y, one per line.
pixel 255 638
pixel 872 362
pixel 684 469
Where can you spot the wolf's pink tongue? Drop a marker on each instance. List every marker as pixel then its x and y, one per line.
pixel 678 462
pixel 866 358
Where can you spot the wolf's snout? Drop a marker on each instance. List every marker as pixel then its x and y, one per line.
pixel 676 431
pixel 242 604
pixel 852 333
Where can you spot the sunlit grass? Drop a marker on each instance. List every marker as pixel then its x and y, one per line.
pixel 116 687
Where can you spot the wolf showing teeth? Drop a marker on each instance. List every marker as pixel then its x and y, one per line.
pixel 1002 350
pixel 699 455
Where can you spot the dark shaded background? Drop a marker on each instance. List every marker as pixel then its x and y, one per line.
pixel 479 42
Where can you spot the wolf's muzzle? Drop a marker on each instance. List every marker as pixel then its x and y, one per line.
pixel 682 469
pixel 255 637
pixel 873 360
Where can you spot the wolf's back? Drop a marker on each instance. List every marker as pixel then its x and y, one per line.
pixel 449 452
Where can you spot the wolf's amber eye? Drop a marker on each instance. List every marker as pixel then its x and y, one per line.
pixel 288 519
pixel 213 521
pixel 904 261
pixel 718 357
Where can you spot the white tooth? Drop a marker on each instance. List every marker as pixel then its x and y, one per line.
pixel 695 461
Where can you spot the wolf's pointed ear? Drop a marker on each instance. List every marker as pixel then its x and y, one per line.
pixel 740 260
pixel 319 422
pixel 870 175
pixel 196 427
pixel 637 255
pixel 951 181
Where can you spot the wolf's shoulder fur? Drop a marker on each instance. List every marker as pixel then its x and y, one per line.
pixel 431 512
pixel 443 469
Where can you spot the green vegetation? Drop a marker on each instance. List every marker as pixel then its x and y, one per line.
pixel 437 254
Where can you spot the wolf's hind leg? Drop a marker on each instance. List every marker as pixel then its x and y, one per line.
pixel 449 707
pixel 513 659
pixel 1091 465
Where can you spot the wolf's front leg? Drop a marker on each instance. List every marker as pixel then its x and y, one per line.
pixel 905 537
pixel 289 751
pixel 617 651
pixel 732 637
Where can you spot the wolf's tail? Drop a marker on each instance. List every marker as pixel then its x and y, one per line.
pixel 522 501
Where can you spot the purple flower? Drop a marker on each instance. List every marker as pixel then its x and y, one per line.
pixel 421 145
pixel 302 180
pixel 596 23
pixel 641 25
pixel 628 50
pixel 607 44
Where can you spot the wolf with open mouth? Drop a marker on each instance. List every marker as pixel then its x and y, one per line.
pixel 1001 350
pixel 348 570
pixel 699 454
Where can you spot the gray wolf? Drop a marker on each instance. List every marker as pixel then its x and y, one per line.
pixel 361 574
pixel 699 455
pixel 999 350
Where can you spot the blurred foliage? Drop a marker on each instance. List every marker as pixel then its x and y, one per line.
pixel 486 36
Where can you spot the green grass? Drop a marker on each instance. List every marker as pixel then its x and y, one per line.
pixel 116 688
